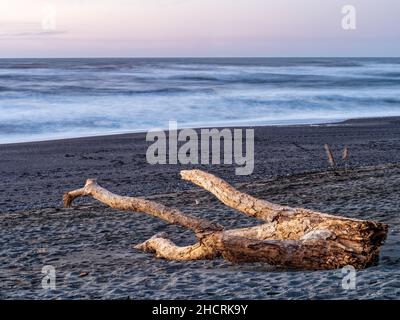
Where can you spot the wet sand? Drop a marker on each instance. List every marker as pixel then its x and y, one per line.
pixel 90 245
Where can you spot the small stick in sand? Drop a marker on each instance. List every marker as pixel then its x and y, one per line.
pixel 345 154
pixel 345 157
pixel 329 154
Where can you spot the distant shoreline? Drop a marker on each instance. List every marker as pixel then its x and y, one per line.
pixel 234 124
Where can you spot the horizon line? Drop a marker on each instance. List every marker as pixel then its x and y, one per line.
pixel 206 57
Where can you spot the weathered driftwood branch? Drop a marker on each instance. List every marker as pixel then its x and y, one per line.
pixel 158 210
pixel 291 237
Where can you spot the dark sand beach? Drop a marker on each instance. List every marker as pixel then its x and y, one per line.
pixel 90 245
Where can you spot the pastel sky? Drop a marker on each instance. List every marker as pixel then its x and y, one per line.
pixel 196 28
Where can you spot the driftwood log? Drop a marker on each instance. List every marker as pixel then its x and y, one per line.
pixel 290 237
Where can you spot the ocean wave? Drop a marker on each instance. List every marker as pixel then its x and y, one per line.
pixel 385 74
pixel 76 90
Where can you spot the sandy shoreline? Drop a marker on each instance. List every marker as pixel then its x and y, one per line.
pixel 290 168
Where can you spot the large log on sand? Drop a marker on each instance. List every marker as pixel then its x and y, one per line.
pixel 290 237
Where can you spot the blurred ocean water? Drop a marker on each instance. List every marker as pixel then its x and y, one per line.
pixel 44 99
